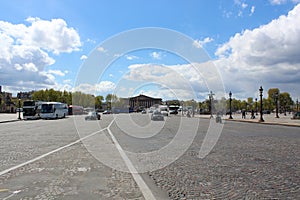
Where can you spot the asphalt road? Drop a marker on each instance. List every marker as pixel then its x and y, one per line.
pixel 45 159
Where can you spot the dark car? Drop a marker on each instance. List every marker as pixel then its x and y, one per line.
pixel 144 111
pixel 296 115
pixel 157 116
pixel 93 116
pixel 173 112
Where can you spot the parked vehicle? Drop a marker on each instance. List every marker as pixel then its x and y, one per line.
pixel 157 116
pixel 173 109
pixel 164 109
pixel 144 111
pixel 31 109
pixel 53 110
pixel 296 115
pixel 93 116
pixel 106 112
pixel 75 110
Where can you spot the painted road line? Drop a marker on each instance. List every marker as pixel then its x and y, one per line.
pixel 51 152
pixel 136 176
pixel 11 195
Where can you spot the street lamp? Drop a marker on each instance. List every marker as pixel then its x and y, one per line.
pixel 19 109
pixel 210 95
pixel 230 111
pixel 275 97
pixel 193 109
pixel 261 104
pixel 256 106
pixel 181 108
pixel 297 105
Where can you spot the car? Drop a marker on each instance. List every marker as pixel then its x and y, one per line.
pixel 296 115
pixel 157 116
pixel 107 112
pixel 144 112
pixel 173 112
pixel 150 111
pixel 93 116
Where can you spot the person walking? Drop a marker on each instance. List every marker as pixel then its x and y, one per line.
pixel 243 114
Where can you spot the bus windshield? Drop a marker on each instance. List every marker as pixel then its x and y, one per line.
pixel 47 108
pixel 29 103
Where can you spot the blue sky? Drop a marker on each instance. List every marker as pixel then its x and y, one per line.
pixel 43 44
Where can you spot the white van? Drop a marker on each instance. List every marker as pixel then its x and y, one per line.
pixel 164 109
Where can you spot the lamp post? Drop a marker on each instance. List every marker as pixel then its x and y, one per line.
pixel 261 104
pixel 19 109
pixel 275 96
pixel 230 111
pixel 181 108
pixel 210 95
pixel 297 105
pixel 256 106
pixel 193 109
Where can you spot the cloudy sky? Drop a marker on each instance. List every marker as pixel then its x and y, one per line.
pixel 45 44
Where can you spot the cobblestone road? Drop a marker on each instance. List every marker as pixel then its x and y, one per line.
pixel 248 162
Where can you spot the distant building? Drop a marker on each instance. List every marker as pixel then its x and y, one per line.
pixel 6 103
pixel 142 101
pixel 25 95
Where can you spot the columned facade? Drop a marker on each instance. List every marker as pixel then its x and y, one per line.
pixel 142 101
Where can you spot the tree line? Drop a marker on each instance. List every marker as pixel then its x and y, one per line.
pixel 283 99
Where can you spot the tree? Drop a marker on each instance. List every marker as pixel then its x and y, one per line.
pixel 98 102
pixel 110 99
pixel 250 103
pixel 273 93
pixel 285 101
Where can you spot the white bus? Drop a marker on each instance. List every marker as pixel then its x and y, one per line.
pixel 164 109
pixel 53 110
pixel 31 109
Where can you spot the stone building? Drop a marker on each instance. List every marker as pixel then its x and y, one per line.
pixel 141 101
pixel 6 103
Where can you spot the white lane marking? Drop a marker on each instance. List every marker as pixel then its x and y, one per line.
pixel 51 152
pixel 11 195
pixel 136 176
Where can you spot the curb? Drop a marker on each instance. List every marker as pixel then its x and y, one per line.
pixel 13 120
pixel 266 123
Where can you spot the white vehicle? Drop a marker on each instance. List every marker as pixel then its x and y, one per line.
pixel 53 110
pixel 164 109
pixel 31 109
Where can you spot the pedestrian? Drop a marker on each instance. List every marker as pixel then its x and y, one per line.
pixel 243 114
pixel 252 114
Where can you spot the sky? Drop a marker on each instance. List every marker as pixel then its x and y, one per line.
pixel 246 44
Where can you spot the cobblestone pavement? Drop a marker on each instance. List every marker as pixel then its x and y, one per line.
pixel 269 118
pixel 69 174
pixel 253 164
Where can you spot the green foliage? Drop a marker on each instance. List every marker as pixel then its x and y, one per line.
pixel 98 102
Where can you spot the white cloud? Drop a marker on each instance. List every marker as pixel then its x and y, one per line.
pixel 83 57
pixel 100 88
pixel 183 81
pixel 52 35
pixel 101 49
pixel 267 55
pixel 131 57
pixel 201 43
pixel 280 2
pixel 156 55
pixel 252 10
pixel 24 52
pixel 56 72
